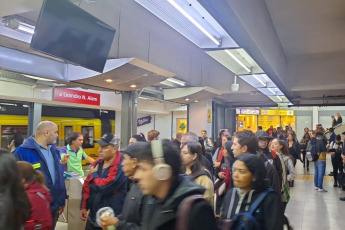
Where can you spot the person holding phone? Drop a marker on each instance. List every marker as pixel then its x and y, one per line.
pixel 106 184
pixel 335 149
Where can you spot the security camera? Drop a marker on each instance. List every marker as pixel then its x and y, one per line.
pixel 235 86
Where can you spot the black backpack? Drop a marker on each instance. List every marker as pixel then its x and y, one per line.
pixel 312 149
pixel 246 220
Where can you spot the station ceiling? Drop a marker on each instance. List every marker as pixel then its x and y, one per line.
pixel 300 45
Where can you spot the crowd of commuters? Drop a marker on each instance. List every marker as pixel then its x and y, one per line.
pixel 151 183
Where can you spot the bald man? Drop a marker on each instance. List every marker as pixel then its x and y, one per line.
pixel 40 150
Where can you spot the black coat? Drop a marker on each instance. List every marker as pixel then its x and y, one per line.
pixel 161 215
pixel 275 162
pixel 269 214
pixel 339 120
pixel 132 209
pixel 295 150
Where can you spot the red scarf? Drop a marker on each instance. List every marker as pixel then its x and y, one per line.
pixel 220 155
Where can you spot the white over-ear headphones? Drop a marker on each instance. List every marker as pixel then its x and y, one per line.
pixel 161 170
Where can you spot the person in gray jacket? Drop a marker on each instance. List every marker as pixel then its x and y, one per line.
pixel 131 214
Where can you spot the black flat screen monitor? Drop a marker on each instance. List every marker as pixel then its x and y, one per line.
pixel 66 31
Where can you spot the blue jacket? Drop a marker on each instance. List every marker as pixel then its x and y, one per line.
pixel 29 152
pixel 105 188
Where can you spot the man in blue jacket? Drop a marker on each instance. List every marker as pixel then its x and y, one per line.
pixel 40 151
pixel 106 184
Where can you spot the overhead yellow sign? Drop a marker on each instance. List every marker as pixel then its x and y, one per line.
pixel 277 112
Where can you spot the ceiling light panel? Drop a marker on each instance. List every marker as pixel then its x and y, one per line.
pixel 258 80
pixel 271 91
pixel 280 99
pixel 236 60
pixel 191 20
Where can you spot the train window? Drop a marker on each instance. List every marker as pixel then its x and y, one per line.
pixel 68 131
pixel 88 132
pixel 8 132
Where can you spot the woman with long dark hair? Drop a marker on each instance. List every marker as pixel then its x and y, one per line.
pixel 14 203
pixel 194 166
pixel 289 173
pixel 304 143
pixel 294 147
pixel 39 196
pixel 249 176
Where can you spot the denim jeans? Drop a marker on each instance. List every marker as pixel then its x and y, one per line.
pixel 320 168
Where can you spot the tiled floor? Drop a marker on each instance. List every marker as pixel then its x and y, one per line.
pixel 62 226
pixel 308 209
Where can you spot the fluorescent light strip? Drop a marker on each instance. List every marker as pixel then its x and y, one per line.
pixel 37 78
pixel 179 8
pixel 26 28
pixel 237 60
pixel 279 98
pixel 259 80
pixel 271 91
pixel 182 83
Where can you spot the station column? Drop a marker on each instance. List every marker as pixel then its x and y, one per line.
pixel 315 116
pixel 34 118
pixel 200 117
pixel 128 116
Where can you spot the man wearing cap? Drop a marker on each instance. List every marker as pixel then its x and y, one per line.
pixel 263 141
pixel 131 214
pixel 106 184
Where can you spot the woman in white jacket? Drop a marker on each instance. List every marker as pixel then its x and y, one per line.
pixel 289 172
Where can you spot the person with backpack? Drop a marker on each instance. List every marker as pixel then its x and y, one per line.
pixel 39 196
pixel 159 165
pixel 320 163
pixel 251 202
pixel 194 166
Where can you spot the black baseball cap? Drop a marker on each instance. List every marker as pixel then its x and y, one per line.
pixel 134 149
pixel 108 139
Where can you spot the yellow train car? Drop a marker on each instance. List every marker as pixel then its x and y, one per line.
pixel 90 128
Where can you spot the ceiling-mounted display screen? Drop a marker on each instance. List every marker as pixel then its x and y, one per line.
pixel 66 31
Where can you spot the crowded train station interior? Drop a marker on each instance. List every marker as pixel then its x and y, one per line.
pixel 172 114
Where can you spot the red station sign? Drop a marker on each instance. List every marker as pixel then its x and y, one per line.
pixel 76 96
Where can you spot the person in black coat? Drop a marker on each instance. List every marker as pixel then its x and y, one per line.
pixel 165 191
pixel 263 141
pixel 130 217
pixel 339 119
pixel 249 180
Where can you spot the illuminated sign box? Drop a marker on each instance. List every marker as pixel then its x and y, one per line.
pixel 76 96
pixel 277 112
pixel 248 111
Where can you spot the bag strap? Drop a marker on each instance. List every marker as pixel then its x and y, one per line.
pixel 183 211
pixel 231 203
pixel 259 200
